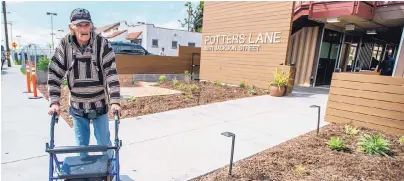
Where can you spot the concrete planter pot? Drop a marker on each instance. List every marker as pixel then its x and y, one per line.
pixel 41 77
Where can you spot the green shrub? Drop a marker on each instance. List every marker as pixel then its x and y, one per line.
pixel 133 98
pixel 162 78
pixel 242 85
pixel 374 145
pixel 43 64
pixel 22 70
pixel 252 91
pixel 350 130
pixel 194 88
pixel 64 81
pixel 182 87
pixel 401 140
pixel 175 82
pixel 336 144
pixel 218 83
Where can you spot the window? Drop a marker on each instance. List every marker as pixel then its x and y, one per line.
pixel 190 44
pixel 155 43
pixel 137 41
pixel 174 44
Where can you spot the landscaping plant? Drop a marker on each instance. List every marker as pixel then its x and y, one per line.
pixel 401 140
pixel 374 144
pixel 279 84
pixel 187 77
pixel 350 130
pixel 162 78
pixel 43 64
pixel 175 82
pixel 336 143
pixel 252 91
pixel 242 85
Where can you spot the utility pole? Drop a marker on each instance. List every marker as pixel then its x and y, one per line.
pixel 6 32
pixel 52 14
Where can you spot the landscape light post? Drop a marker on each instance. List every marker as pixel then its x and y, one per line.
pixel 229 134
pixel 318 117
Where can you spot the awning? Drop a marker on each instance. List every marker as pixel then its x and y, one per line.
pixel 133 35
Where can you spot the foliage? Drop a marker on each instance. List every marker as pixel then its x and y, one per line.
pixel 194 88
pixel 64 81
pixel 299 169
pixel 175 82
pixel 374 144
pixel 242 85
pixel 22 70
pixel 195 17
pixel 335 143
pixel 401 140
pixel 43 64
pixel 162 78
pixel 17 62
pixel 218 83
pixel 182 87
pixel 350 130
pixel 187 77
pixel 281 78
pixel 252 91
pixel 133 98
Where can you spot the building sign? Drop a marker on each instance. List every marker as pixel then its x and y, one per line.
pixel 240 42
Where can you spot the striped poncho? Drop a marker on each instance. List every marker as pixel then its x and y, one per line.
pixel 86 78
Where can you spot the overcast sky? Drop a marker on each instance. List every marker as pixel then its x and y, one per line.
pixel 34 26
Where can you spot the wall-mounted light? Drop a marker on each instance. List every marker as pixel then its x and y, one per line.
pixel 333 20
pixel 349 27
pixel 371 32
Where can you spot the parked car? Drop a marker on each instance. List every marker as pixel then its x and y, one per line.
pixel 129 48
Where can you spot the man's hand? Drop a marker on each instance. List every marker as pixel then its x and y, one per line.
pixel 54 108
pixel 116 107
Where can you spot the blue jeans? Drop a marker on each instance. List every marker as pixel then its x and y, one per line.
pixel 101 132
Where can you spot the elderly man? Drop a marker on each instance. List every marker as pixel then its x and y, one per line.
pixel 88 62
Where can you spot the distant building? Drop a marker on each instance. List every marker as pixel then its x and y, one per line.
pixel 150 37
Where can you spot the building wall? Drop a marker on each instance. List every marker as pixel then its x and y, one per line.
pixel 165 38
pixel 232 19
pixel 367 100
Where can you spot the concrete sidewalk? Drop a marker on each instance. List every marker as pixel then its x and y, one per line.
pixel 25 127
pixel 185 143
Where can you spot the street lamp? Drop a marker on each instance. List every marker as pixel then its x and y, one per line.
pixel 19 40
pixel 229 134
pixel 51 14
pixel 318 116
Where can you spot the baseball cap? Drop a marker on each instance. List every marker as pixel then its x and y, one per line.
pixel 80 15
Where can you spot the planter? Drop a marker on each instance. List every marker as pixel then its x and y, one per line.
pixel 42 77
pixel 276 91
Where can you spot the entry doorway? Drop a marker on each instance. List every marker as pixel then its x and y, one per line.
pixel 328 57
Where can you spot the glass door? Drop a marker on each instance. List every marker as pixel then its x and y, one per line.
pixel 328 57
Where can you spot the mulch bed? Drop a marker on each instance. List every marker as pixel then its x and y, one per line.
pixel 308 157
pixel 209 93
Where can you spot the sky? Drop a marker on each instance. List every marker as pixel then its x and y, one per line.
pixel 30 21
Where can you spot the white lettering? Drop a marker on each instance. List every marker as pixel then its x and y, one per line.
pixel 268 37
pixel 259 39
pixel 275 37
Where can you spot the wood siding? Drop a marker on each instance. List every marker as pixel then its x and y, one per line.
pixel 140 64
pixel 302 53
pixel 254 67
pixel 367 100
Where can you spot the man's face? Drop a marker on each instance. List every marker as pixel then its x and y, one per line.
pixel 83 31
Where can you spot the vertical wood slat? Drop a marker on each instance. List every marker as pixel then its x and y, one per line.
pixel 311 58
pixel 303 68
pixel 300 55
